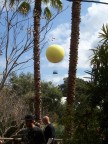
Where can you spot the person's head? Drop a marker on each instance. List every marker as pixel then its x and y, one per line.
pixel 46 120
pixel 29 121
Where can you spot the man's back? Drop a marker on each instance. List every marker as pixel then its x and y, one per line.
pixel 49 132
pixel 33 136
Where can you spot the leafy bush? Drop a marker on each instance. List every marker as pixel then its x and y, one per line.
pixel 59 131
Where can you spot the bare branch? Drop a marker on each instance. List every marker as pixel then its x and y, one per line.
pixel 16 40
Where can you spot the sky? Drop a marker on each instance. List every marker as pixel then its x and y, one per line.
pixel 93 16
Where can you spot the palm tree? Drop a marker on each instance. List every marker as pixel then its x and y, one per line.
pixel 76 7
pixel 99 62
pixel 36 50
pixel 75 33
pixel 37 14
pixel 37 86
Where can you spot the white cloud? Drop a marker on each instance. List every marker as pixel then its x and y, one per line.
pixel 96 16
pixel 85 77
pixel 91 24
pixel 60 34
pixel 63 64
pixel 56 79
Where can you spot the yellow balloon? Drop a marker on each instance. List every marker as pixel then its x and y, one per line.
pixel 55 53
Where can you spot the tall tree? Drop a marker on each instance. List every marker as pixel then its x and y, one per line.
pixel 37 89
pixel 99 73
pixel 14 43
pixel 37 18
pixel 76 7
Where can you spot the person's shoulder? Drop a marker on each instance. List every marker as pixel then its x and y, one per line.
pixel 36 128
pixel 50 126
pixel 21 131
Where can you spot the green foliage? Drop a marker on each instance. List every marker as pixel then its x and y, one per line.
pixel 100 64
pixel 22 84
pixel 51 98
pixel 57 4
pixel 82 92
pixel 85 118
pixel 99 91
pixel 86 122
pixel 80 87
pixel 59 129
pixel 63 87
pixel 24 8
pixel 47 13
pixel 104 34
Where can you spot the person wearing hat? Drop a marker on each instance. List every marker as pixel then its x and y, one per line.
pixel 32 134
pixel 49 131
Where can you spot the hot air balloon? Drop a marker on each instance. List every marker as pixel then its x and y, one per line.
pixel 55 53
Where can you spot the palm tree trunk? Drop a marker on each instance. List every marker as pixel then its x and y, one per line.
pixel 76 8
pixel 37 82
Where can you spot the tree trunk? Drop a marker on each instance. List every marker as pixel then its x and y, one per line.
pixel 37 81
pixel 76 8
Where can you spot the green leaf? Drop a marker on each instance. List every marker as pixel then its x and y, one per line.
pixel 24 8
pixel 47 13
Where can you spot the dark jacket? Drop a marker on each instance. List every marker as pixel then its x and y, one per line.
pixel 33 136
pixel 49 132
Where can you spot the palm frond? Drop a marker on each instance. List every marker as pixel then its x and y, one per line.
pixel 24 8
pixel 46 1
pixel 47 13
pixel 57 4
pixel 104 34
